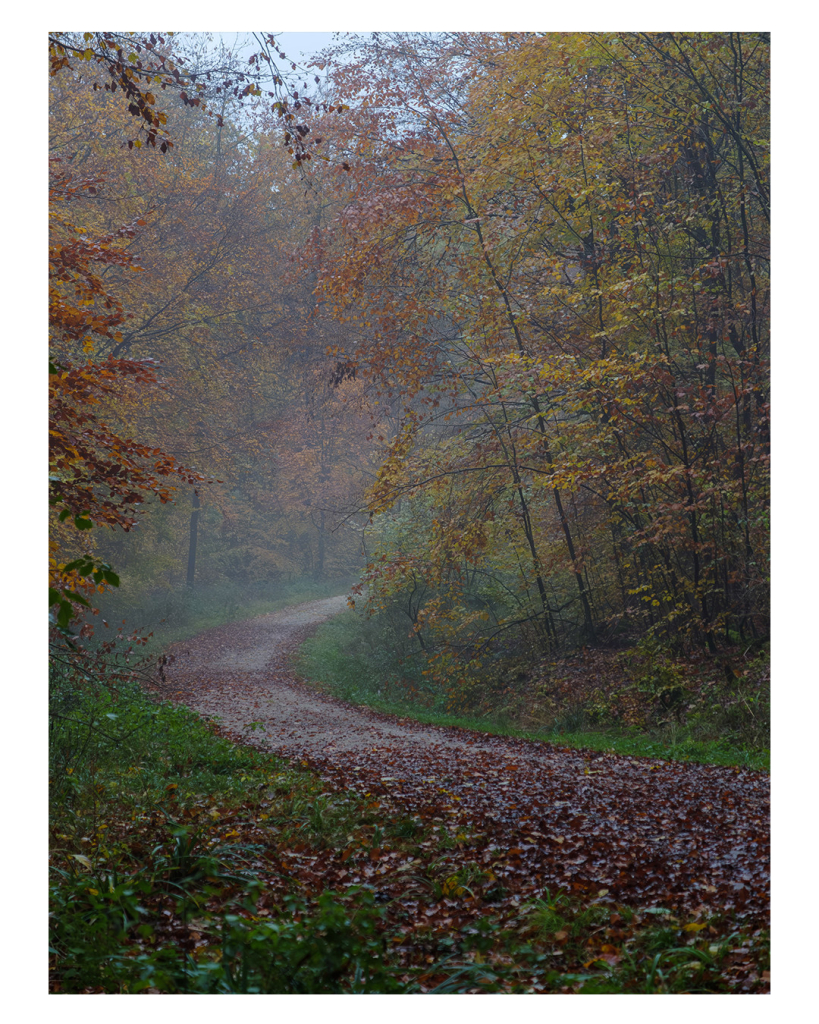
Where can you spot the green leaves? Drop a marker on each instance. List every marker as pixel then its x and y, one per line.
pixel 64 607
pixel 81 521
pixel 65 604
pixel 100 573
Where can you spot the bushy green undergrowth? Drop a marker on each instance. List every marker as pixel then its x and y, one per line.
pixel 140 793
pixel 353 658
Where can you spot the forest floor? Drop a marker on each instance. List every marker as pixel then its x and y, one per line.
pixel 522 818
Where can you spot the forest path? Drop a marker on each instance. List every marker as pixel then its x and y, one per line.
pixel 692 838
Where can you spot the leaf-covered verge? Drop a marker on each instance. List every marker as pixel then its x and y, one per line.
pixel 642 701
pixel 184 862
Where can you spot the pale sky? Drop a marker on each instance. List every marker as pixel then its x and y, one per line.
pixel 303 44
pixel 300 47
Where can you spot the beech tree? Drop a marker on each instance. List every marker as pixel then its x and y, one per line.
pixel 188 267
pixel 555 248
pixel 97 476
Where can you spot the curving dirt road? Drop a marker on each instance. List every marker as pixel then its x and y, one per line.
pixel 692 838
pixel 239 674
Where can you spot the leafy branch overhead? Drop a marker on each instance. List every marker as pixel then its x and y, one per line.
pixel 144 65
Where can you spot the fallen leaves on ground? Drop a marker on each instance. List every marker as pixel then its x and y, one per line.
pixel 503 820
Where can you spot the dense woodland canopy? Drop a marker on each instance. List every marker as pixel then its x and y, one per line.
pixel 487 319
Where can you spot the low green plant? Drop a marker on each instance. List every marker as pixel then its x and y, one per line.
pixel 334 945
pixel 404 828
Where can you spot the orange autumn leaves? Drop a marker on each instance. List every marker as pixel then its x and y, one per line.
pixel 96 475
pixel 203 281
pixel 553 251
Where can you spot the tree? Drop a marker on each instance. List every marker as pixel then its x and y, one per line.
pixel 97 477
pixel 559 247
pixel 218 302
pixel 140 64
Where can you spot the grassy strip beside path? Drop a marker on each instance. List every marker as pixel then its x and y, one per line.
pixel 347 659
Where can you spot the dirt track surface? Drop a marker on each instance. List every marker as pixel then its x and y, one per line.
pixel 239 674
pixel 691 838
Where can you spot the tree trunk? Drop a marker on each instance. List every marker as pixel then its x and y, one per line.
pixel 192 545
pixel 320 556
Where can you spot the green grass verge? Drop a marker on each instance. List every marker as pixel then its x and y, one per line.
pixel 350 658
